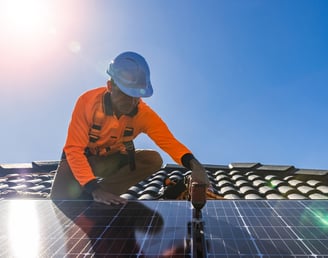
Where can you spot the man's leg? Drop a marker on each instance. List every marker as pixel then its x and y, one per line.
pixel 114 168
pixel 119 181
pixel 65 186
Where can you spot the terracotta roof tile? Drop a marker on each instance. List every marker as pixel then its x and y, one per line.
pixel 234 181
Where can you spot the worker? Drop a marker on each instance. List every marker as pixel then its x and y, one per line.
pixel 99 160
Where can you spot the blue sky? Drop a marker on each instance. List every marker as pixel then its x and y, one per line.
pixel 236 81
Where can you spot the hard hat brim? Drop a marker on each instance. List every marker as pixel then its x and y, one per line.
pixel 143 91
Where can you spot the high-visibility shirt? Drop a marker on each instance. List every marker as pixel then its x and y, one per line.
pixel 144 121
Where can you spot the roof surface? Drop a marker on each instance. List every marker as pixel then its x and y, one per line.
pixel 233 181
pixel 255 220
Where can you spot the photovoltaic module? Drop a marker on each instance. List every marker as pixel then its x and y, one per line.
pixel 256 228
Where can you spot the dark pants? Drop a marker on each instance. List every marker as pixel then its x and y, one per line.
pixel 114 169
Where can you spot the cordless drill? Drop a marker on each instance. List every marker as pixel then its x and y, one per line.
pixel 197 193
pixel 197 196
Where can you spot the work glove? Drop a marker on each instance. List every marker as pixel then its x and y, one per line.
pixel 102 196
pixel 198 173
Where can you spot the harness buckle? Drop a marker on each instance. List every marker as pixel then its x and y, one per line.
pixel 129 146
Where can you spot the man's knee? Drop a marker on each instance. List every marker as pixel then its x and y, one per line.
pixel 149 158
pixel 157 160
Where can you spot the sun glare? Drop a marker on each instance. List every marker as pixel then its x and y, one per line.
pixel 36 36
pixel 27 18
pixel 28 29
pixel 23 229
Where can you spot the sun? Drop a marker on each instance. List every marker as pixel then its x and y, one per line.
pixel 26 18
pixel 33 34
pixel 36 38
pixel 28 31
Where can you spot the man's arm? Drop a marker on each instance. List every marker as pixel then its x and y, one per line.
pixel 198 172
pixel 159 132
pixel 76 142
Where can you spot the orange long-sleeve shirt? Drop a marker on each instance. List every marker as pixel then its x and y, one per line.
pixel 145 121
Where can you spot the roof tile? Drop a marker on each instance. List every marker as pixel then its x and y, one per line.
pixel 232 196
pixel 236 181
pixel 275 168
pixel 242 182
pixel 247 190
pixel 313 183
pixel 223 183
pixel 265 190
pixel 274 196
pixel 259 182
pixel 253 177
pixel 243 166
pixel 323 189
pixel 296 196
pixel 229 190
pixel 295 182
pixel 253 196
pixel 312 172
pixel 307 190
pixel 317 196
pixel 286 190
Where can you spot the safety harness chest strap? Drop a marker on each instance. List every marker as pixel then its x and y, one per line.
pixel 105 108
pixel 129 146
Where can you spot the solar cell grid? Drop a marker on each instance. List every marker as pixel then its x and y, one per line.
pixel 267 229
pixel 263 228
pixel 78 228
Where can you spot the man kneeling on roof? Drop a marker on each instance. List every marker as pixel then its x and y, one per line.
pixel 99 159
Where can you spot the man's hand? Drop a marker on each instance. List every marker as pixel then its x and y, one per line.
pixel 198 173
pixel 102 196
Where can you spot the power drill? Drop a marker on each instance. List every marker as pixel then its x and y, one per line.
pixel 197 194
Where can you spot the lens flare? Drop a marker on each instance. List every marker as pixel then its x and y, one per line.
pixel 315 216
pixel 75 47
pixel 26 18
pixel 322 217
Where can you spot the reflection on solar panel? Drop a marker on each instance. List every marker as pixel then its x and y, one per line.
pixel 41 228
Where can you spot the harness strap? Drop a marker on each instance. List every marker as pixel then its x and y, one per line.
pixel 103 109
pixel 129 146
pixel 94 132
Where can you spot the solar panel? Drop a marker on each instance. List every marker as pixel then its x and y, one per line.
pixel 84 228
pixel 42 228
pixel 266 228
